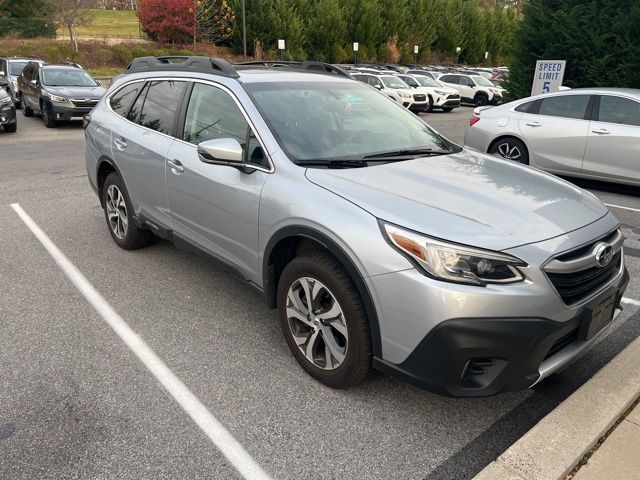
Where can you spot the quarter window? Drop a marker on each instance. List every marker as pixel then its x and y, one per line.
pixel 566 106
pixel 450 79
pixel 525 107
pixel 122 100
pixel 619 110
pixel 160 106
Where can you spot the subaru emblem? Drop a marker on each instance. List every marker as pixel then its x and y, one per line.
pixel 604 254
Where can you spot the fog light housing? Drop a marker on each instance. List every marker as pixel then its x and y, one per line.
pixel 480 372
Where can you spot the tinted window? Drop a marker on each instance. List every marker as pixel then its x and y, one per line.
pixel 123 99
pixel 619 110
pixel 374 81
pixel 450 79
pixel 467 82
pixel 134 113
pixel 160 106
pixel 525 107
pixel 566 106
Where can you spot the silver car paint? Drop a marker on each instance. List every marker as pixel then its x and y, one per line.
pixel 562 145
pixel 343 205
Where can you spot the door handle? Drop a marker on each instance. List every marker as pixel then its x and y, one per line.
pixel 533 124
pixel 121 144
pixel 601 131
pixel 176 166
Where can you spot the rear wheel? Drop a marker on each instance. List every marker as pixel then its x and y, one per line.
pixel 47 116
pixel 481 100
pixel 447 109
pixel 323 320
pixel 26 109
pixel 511 149
pixel 430 105
pixel 119 215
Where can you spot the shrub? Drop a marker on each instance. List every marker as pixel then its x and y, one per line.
pixel 167 20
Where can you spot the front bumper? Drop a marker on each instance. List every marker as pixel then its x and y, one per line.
pixel 452 101
pixel 474 357
pixel 7 114
pixel 66 112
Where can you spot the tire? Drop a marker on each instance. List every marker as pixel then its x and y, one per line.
pixel 481 100
pixel 47 117
pixel 26 109
pixel 116 202
pixel 510 148
pixel 446 109
pixel 11 127
pixel 333 288
pixel 430 106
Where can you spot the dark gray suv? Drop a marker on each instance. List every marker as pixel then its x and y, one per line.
pixel 380 242
pixel 57 92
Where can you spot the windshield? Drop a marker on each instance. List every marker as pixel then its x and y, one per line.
pixel 482 81
pixel 15 68
pixel 338 120
pixel 67 77
pixel 393 82
pixel 410 81
pixel 427 81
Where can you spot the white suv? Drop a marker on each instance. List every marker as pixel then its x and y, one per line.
pixel 396 89
pixel 473 88
pixel 439 96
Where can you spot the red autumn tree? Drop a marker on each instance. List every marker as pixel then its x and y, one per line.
pixel 167 20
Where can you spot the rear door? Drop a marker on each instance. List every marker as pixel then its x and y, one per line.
pixel 140 144
pixel 216 206
pixel 613 146
pixel 557 134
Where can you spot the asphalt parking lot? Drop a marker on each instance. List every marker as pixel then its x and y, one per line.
pixel 76 403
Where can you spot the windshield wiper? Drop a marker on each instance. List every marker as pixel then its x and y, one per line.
pixel 408 152
pixel 333 163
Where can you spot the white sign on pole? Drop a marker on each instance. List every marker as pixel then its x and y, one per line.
pixel 280 44
pixel 548 76
pixel 458 49
pixel 486 55
pixel 355 46
pixel 415 49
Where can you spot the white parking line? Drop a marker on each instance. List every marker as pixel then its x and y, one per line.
pixel 631 301
pixel 622 207
pixel 221 438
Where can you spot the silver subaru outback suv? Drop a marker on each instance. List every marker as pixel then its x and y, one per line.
pixel 380 243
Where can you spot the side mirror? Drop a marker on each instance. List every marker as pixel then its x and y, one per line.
pixel 379 87
pixel 1 73
pixel 221 151
pixel 34 81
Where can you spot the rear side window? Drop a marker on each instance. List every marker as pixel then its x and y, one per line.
pixel 525 107
pixel 134 113
pixel 123 99
pixel 619 110
pixel 450 79
pixel 565 106
pixel 160 106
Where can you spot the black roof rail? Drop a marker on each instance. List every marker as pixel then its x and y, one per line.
pixel 213 65
pixel 308 65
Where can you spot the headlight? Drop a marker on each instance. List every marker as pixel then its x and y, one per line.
pixel 56 98
pixel 454 263
pixel 404 95
pixel 440 92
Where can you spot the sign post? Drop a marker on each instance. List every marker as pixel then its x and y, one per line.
pixel 416 49
pixel 356 47
pixel 458 50
pixel 548 76
pixel 281 48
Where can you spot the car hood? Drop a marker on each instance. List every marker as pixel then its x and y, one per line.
pixel 77 92
pixel 467 198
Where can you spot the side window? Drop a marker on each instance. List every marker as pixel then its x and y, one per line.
pixel 565 106
pixel 213 114
pixel 525 107
pixel 466 81
pixel 160 105
pixel 3 66
pixel 122 100
pixel 375 82
pixel 134 113
pixel 451 79
pixel 619 110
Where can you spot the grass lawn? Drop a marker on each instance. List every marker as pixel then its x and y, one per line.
pixel 109 23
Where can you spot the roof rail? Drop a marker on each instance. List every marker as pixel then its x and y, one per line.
pixel 308 65
pixel 217 66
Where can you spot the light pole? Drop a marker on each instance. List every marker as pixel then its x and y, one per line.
pixel 244 31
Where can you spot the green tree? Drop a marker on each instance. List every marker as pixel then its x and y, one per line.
pixel 286 23
pixel 449 28
pixel 363 21
pixel 215 21
pixel 26 19
pixel 327 30
pixel 598 38
pixel 473 34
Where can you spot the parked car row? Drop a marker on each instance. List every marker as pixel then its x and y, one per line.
pixel 56 92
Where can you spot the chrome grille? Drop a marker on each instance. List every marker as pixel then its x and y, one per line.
pixel 576 274
pixel 420 97
pixel 85 102
pixel 453 97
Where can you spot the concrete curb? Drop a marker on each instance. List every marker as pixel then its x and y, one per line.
pixel 553 447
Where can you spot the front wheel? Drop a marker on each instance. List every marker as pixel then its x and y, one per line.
pixel 26 109
pixel 481 100
pixel 510 149
pixel 323 320
pixel 47 116
pixel 447 109
pixel 119 215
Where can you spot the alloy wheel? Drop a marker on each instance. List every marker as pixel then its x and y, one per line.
pixel 45 114
pixel 508 151
pixel 317 323
pixel 117 212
